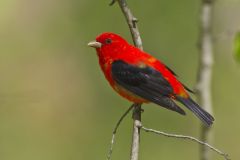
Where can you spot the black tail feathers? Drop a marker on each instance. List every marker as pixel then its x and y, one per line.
pixel 204 116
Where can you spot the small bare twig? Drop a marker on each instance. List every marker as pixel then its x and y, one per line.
pixel 115 131
pixel 187 138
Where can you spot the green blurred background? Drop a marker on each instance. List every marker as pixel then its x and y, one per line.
pixel 55 103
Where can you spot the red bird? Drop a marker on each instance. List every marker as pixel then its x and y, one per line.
pixel 141 78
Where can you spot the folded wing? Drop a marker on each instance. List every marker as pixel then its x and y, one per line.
pixel 146 82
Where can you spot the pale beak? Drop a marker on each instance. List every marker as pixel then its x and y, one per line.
pixel 95 44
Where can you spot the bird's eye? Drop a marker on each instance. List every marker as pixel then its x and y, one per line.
pixel 108 41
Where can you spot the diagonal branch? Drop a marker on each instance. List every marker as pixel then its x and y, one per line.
pixel 187 138
pixel 132 23
pixel 115 131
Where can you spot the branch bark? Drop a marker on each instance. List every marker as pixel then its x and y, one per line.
pixel 184 137
pixel 132 23
pixel 205 71
pixel 136 131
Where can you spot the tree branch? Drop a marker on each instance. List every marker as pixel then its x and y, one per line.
pixel 115 131
pixel 136 131
pixel 187 138
pixel 132 23
pixel 205 71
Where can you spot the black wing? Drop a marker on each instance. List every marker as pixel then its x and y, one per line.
pixel 145 82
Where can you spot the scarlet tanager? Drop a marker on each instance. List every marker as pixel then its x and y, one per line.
pixel 141 78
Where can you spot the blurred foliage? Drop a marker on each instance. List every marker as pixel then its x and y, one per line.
pixel 55 102
pixel 237 46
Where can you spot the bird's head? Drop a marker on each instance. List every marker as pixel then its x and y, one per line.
pixel 109 44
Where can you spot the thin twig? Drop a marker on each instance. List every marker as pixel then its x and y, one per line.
pixel 115 131
pixel 188 138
